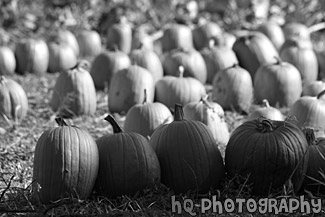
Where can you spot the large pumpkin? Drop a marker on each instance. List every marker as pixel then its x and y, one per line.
pixel 253 50
pixel 119 36
pixel 90 43
pixel 192 61
pixel 146 117
pixel 74 93
pixel 279 82
pixel 267 155
pixel 233 88
pixel 181 90
pixel 62 57
pixel 7 61
pixel 65 163
pixel 13 100
pixel 212 115
pixel 188 154
pixel 127 88
pixel 105 65
pixel 32 56
pixel 127 163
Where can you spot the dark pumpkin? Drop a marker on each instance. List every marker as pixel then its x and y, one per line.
pixel 267 155
pixel 65 163
pixel 127 163
pixel 188 154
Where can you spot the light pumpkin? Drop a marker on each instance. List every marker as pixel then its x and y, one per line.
pixel 7 61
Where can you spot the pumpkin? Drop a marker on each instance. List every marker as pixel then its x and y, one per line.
pixel 62 57
pixel 266 111
pixel 294 30
pixel 253 50
pixel 274 32
pixel 126 88
pixel 106 64
pixel 119 36
pixel 74 92
pixel 314 177
pixel 302 57
pixel 212 115
pixel 148 59
pixel 232 88
pixel 146 117
pixel 66 163
pixel 267 154
pixel 90 43
pixel 177 36
pixel 188 154
pixel 203 32
pixel 313 88
pixel 127 163
pixel 142 38
pixel 7 61
pixel 217 58
pixel 279 82
pixel 13 100
pixel 181 90
pixel 310 112
pixel 65 36
pixel 32 56
pixel 192 61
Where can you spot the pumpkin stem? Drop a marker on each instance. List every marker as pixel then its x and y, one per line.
pixel 278 60
pixel 145 97
pixel 310 136
pixel 181 71
pixel 205 101
pixel 265 103
pixel 320 94
pixel 266 125
pixel 60 121
pixel 116 127
pixel 179 113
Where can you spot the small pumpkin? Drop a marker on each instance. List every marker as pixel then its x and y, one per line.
pixel 232 88
pixel 146 117
pixel 7 61
pixel 181 90
pixel 212 115
pixel 65 36
pixel 13 100
pixel 266 111
pixel 295 30
pixel 278 82
pixel 74 92
pixel 274 32
pixel 66 163
pixel 188 154
pixel 267 154
pixel 105 65
pixel 126 88
pixel 313 88
pixel 90 43
pixel 203 32
pixel 62 57
pixel 32 56
pixel 119 35
pixel 127 163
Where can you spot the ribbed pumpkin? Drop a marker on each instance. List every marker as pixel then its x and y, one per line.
pixel 120 35
pixel 279 82
pixel 74 92
pixel 267 154
pixel 7 61
pixel 181 90
pixel 62 57
pixel 177 36
pixel 253 50
pixel 274 32
pixel 233 88
pixel 106 64
pixel 313 88
pixel 126 88
pixel 65 163
pixel 127 163
pixel 148 59
pixel 32 56
pixel 303 57
pixel 188 154
pixel 266 111
pixel 67 37
pixel 146 117
pixel 217 58
pixel 13 100
pixel 192 61
pixel 314 179
pixel 310 112
pixel 203 32
pixel 212 115
pixel 90 43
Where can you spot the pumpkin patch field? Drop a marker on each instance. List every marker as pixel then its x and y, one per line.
pixel 162 108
